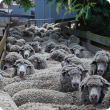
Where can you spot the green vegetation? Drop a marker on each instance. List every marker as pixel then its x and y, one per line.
pixel 94 15
pixel 26 4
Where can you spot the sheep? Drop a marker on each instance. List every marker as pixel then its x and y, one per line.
pixel 93 89
pixel 38 62
pixel 10 41
pixel 37 38
pixel 6 102
pixel 16 33
pixel 72 59
pixel 42 30
pixel 81 52
pixel 64 47
pixel 45 25
pixel 53 38
pixel 106 101
pixel 23 67
pixel 43 106
pixel 36 46
pixel 17 29
pixel 72 41
pixel 37 33
pixel 15 48
pixel 20 42
pixel 10 59
pixel 49 28
pixel 58 55
pixel 13 88
pixel 100 65
pixel 16 36
pixel 57 25
pixel 31 29
pixel 27 51
pixel 27 33
pixel 1 83
pixel 42 96
pixel 50 46
pixel 72 75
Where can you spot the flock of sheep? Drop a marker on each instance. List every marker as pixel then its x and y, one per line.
pixel 44 71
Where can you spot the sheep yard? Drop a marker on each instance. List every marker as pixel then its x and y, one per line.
pixel 46 68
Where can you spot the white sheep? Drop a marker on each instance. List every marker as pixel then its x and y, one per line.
pixel 23 67
pixel 15 48
pixel 20 42
pixel 38 62
pixel 27 51
pixel 42 96
pixel 10 59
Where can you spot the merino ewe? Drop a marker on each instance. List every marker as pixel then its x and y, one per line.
pixel 37 38
pixel 72 59
pixel 13 88
pixel 64 47
pixel 72 75
pixel 37 33
pixel 10 59
pixel 16 33
pixel 58 55
pixel 23 67
pixel 45 25
pixel 50 46
pixel 16 36
pixel 27 33
pixel 10 41
pixel 93 89
pixel 42 96
pixel 36 46
pixel 20 42
pixel 100 65
pixel 42 106
pixel 106 101
pixel 6 102
pixel 81 52
pixel 38 62
pixel 72 41
pixel 15 48
pixel 27 51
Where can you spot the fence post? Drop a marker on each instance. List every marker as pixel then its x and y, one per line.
pixel 29 23
pixel 69 24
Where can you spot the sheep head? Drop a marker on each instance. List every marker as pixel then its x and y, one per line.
pixel 93 89
pixel 75 74
pixel 101 63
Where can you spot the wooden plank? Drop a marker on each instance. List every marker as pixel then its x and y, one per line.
pixel 2 57
pixel 64 20
pixel 16 15
pixel 2 43
pixel 18 24
pixel 86 34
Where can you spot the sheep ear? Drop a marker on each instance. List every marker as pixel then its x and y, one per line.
pixel 32 50
pixel 14 65
pixel 64 72
pixel 93 62
pixel 85 71
pixel 82 50
pixel 71 50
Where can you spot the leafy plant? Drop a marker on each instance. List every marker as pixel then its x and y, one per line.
pixel 93 14
pixel 26 4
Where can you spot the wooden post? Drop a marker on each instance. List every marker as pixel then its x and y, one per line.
pixel 69 24
pixel 29 24
pixel 76 24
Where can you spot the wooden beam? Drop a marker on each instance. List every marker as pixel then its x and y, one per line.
pixel 16 15
pixel 64 20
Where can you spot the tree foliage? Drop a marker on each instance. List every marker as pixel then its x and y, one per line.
pixel 94 13
pixel 26 4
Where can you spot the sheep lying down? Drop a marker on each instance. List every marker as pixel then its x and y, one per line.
pixel 100 65
pixel 42 96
